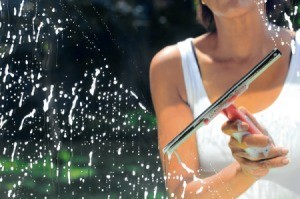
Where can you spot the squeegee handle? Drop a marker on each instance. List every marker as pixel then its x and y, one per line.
pixel 233 113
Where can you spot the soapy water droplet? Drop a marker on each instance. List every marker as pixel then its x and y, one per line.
pixel 21 8
pixel 288 19
pixel 90 156
pixel 2 122
pixel 14 150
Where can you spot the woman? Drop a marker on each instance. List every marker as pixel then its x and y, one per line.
pixel 187 77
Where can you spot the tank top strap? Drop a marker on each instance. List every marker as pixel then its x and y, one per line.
pixel 295 60
pixel 192 77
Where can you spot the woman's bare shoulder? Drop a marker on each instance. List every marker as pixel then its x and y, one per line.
pixel 166 76
pixel 166 63
pixel 168 55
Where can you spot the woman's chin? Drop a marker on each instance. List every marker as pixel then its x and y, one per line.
pixel 235 8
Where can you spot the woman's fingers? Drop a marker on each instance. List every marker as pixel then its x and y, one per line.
pixel 255 153
pixel 266 163
pixel 239 130
pixel 256 140
pixel 252 119
pixel 234 145
pixel 274 152
pixel 250 140
pixel 231 127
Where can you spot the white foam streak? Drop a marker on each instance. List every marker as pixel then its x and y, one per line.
pixel 21 99
pixel 183 164
pixel 69 172
pixel 11 49
pixel 31 114
pixel 119 151
pixel 58 30
pixel 187 168
pixel 71 111
pixel 39 30
pixel 288 19
pixel 142 106
pixel 155 192
pixel 21 8
pixel 293 46
pixel 145 194
pixel 9 193
pixel 6 73
pixel 33 29
pixel 2 122
pixel 14 150
pixel 13 45
pixel 184 188
pixel 134 95
pixel 58 146
pixel 33 91
pixel 295 11
pixel 20 39
pixel 8 35
pixel 90 156
pixel 39 76
pixel 93 87
pixel 46 102
pixel 201 188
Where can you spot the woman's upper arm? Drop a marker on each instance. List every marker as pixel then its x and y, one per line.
pixel 173 115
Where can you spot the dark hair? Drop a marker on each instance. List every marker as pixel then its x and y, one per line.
pixel 275 12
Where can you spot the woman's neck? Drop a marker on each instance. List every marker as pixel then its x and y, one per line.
pixel 243 37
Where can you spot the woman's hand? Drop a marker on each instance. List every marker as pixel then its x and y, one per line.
pixel 256 153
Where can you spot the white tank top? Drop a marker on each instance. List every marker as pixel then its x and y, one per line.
pixel 281 119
